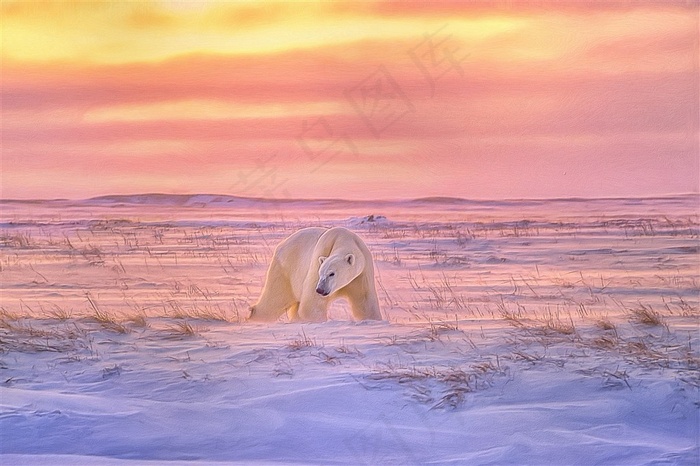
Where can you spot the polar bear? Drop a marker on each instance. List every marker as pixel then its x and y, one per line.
pixel 313 267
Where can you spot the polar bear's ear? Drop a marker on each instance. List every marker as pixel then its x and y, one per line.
pixel 350 259
pixel 321 259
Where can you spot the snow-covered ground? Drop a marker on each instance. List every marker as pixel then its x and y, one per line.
pixel 524 332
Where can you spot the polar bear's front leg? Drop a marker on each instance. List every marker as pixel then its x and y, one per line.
pixel 313 307
pixel 293 312
pixel 362 296
pixel 365 308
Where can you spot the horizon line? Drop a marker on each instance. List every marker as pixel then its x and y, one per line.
pixel 436 198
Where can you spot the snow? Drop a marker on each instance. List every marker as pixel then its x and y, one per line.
pixel 515 334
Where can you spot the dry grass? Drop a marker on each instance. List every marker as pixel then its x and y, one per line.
pixel 347 350
pixel 452 269
pixel 516 320
pixel 621 345
pixel 25 338
pixel 439 294
pixel 437 329
pixel 303 341
pixel 605 324
pixel 184 329
pixel 59 313
pixel 556 325
pixel 17 240
pixel 615 379
pixel 681 306
pixel 6 315
pixel 552 324
pixel 328 358
pixel 605 342
pixel 211 312
pixel 451 383
pixel 646 315
pixel 194 302
pixel 106 319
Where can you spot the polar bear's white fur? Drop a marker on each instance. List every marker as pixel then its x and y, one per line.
pixel 313 267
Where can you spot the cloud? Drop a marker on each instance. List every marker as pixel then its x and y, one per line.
pixel 130 32
pixel 200 109
pixel 176 95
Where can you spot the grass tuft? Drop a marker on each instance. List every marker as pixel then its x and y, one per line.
pixel 59 313
pixel 303 341
pixel 453 383
pixel 107 320
pixel 558 326
pixel 605 324
pixel 646 315
pixel 25 338
pixel 185 329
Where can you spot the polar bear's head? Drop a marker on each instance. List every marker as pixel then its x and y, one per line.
pixel 337 270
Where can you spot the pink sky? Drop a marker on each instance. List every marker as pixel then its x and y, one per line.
pixel 368 100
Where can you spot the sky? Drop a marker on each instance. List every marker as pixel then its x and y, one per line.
pixel 355 100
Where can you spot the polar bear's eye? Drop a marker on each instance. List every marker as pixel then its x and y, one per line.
pixel 332 274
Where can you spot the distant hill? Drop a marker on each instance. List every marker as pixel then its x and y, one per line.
pixel 195 200
pixel 167 199
pixel 221 200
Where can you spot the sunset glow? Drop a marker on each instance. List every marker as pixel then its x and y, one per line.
pixel 349 100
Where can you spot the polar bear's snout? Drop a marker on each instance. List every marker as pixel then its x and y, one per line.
pixel 322 288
